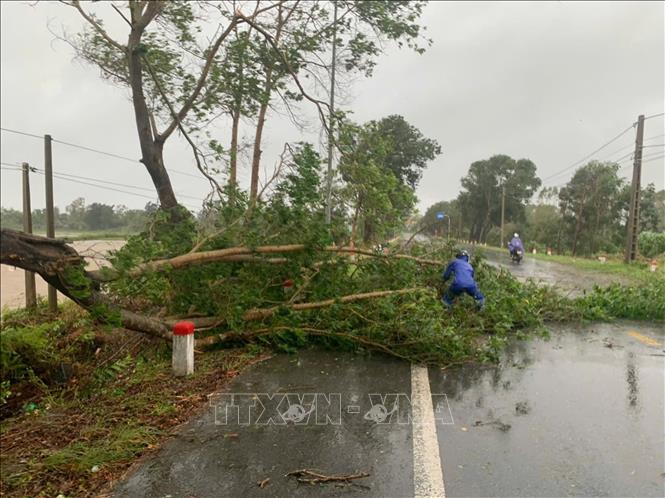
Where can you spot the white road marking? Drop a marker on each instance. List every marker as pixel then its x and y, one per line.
pixel 427 471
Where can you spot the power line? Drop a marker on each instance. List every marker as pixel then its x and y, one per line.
pixel 66 176
pixel 97 151
pixel 631 146
pixel 152 198
pixel 122 185
pixel 590 155
pixel 655 116
pixel 22 133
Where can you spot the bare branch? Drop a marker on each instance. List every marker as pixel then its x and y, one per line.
pixel 76 4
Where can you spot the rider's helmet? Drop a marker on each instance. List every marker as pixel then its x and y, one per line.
pixel 462 253
pixel 517 235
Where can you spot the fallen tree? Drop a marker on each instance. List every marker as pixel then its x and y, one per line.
pixel 61 266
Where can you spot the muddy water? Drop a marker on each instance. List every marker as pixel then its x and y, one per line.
pixel 12 280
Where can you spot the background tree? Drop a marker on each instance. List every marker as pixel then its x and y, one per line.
pixel 380 177
pixel 481 198
pixel 590 202
pixel 432 226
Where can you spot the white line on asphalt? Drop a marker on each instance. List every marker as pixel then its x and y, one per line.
pixel 427 471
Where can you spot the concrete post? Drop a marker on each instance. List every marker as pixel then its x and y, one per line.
pixel 182 359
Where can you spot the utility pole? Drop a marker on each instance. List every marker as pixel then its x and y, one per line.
pixel 50 215
pixel 503 208
pixel 633 222
pixel 30 289
pixel 332 116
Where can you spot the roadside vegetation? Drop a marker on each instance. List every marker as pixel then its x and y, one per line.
pixel 81 401
pixel 303 259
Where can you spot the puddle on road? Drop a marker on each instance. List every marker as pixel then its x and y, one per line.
pixel 578 414
pixel 572 281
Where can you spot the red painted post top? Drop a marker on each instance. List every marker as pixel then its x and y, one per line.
pixel 183 328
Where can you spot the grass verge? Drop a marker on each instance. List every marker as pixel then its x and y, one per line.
pixel 116 400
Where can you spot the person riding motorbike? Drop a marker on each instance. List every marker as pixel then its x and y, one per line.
pixel 463 281
pixel 515 244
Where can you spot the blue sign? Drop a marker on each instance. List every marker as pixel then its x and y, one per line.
pixel 440 215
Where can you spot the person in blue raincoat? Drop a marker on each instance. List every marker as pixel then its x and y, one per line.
pixel 515 243
pixel 463 281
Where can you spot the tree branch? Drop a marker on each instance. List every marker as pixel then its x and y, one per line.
pixel 195 149
pixel 77 5
pixel 273 44
pixel 201 81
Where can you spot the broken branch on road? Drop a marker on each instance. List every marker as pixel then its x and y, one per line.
pixel 308 476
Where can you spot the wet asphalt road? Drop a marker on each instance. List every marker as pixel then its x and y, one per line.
pixel 228 459
pixel 569 416
pixel 580 414
pixel 569 279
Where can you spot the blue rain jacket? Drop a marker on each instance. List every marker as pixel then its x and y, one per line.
pixel 463 273
pixel 516 243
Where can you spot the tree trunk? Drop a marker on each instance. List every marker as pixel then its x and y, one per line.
pixel 63 268
pixel 233 170
pixel 151 148
pixel 354 223
pixel 256 154
pixel 258 136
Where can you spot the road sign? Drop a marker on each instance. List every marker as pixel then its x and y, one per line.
pixel 440 215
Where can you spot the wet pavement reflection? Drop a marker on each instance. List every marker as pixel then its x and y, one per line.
pixel 580 414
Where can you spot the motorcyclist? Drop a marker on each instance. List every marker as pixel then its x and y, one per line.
pixel 463 281
pixel 515 244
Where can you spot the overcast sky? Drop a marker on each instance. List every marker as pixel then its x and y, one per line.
pixel 547 81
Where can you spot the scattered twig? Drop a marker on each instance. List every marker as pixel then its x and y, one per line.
pixel 310 477
pixel 262 484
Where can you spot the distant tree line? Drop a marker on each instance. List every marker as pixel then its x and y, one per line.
pixel 586 216
pixel 79 217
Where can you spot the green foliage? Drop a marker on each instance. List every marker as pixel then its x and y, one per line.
pixel 589 202
pixel 28 349
pixel 634 302
pixel 480 200
pixel 651 244
pixel 78 218
pixel 381 163
pixel 38 349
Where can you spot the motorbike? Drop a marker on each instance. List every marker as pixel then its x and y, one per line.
pixel 516 256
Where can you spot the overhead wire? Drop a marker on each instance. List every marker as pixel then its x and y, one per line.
pixel 102 152
pixel 78 179
pixel 588 156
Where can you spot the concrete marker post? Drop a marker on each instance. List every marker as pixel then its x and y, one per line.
pixel 182 360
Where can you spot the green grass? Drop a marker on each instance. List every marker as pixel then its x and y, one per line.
pixel 121 443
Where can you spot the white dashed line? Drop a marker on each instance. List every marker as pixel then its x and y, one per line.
pixel 427 471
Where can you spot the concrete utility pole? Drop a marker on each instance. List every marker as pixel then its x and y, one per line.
pixel 50 214
pixel 332 117
pixel 633 222
pixel 30 289
pixel 503 208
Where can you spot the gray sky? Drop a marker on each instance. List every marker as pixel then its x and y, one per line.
pixel 548 81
